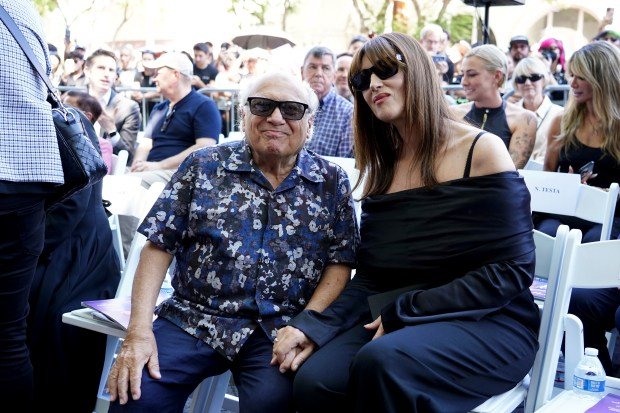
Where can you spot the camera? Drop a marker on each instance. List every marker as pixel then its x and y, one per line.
pixel 549 55
pixel 439 58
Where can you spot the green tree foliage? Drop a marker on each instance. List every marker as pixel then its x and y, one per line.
pixel 45 6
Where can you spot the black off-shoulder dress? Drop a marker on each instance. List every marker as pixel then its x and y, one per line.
pixel 468 330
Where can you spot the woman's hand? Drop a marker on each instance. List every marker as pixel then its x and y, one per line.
pixel 585 177
pixel 139 348
pixel 291 349
pixel 376 325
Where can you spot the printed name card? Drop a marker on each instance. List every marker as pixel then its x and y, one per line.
pixel 552 192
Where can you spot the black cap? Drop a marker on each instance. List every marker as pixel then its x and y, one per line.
pixel 519 39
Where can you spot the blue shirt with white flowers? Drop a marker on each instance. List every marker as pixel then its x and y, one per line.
pixel 248 256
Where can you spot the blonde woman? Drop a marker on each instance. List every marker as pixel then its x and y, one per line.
pixel 484 73
pixel 530 78
pixel 589 130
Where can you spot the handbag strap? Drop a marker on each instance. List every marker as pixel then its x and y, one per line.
pixel 23 43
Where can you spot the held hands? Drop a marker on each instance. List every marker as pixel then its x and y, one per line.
pixel 138 349
pixel 291 348
pixel 376 325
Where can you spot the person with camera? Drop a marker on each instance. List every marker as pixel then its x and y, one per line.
pixel 586 138
pixel 552 51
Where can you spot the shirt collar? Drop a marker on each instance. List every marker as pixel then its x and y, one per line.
pixel 240 160
pixel 331 95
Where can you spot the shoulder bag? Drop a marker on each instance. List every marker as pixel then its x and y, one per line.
pixel 81 162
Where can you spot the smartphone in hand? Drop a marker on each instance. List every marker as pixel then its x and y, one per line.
pixel 586 170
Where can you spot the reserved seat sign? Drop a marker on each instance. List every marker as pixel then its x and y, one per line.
pixel 552 192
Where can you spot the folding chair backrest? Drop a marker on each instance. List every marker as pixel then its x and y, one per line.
pixel 560 193
pixel 592 265
pixel 119 162
pixel 348 164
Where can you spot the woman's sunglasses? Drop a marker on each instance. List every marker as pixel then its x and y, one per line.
pixel 533 78
pixel 288 109
pixel 384 70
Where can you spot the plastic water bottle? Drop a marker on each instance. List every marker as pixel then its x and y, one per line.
pixel 589 378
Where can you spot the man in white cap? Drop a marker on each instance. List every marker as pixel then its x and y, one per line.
pixel 184 122
pixel 181 124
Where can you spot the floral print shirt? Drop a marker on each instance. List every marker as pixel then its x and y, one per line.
pixel 248 256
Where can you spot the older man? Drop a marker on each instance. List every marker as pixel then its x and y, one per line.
pixel 333 132
pixel 343 64
pixel 184 122
pixel 261 229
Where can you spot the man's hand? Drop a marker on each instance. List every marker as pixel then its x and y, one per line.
pixel 376 325
pixel 141 166
pixel 291 349
pixel 106 121
pixel 138 349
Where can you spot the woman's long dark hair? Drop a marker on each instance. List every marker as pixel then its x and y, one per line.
pixel 378 145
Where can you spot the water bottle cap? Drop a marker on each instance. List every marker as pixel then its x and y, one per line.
pixel 591 351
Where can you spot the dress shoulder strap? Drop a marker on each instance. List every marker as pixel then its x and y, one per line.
pixel 470 155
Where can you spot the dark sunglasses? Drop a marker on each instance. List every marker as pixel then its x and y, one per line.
pixel 533 78
pixel 384 70
pixel 288 109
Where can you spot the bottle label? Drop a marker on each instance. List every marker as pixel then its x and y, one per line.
pixel 594 386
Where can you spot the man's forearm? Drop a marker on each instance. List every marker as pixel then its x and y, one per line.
pixel 147 282
pixel 333 281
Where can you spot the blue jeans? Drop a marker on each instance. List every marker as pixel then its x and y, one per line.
pixel 186 361
pixel 22 233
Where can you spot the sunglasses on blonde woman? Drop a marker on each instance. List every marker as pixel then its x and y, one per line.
pixel 533 78
pixel 384 70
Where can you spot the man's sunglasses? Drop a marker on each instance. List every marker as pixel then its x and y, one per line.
pixel 288 109
pixel 384 70
pixel 533 78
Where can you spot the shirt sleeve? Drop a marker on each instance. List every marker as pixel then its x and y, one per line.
pixel 167 223
pixel 207 121
pixel 345 146
pixel 476 294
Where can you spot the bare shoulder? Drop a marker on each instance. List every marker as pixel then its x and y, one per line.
pixel 490 156
pixel 461 110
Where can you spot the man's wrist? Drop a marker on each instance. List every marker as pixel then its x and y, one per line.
pixel 114 137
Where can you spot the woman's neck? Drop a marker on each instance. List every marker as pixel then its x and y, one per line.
pixel 532 103
pixel 489 102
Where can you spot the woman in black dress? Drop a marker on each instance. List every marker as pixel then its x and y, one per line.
pixel 589 130
pixel 446 219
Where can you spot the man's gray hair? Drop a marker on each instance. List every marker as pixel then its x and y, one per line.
pixel 319 52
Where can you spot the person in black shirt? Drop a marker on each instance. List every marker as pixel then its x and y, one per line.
pixel 204 69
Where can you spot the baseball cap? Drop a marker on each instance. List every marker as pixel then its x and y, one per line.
pixel 173 60
pixel 608 33
pixel 519 39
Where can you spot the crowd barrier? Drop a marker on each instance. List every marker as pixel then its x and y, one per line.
pixel 227 99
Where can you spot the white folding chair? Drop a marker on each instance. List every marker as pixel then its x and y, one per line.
pixel 119 162
pixel 533 165
pixel 348 164
pixel 592 265
pixel 549 253
pixel 232 136
pixel 564 194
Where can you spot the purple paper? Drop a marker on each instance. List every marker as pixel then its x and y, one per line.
pixel 608 404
